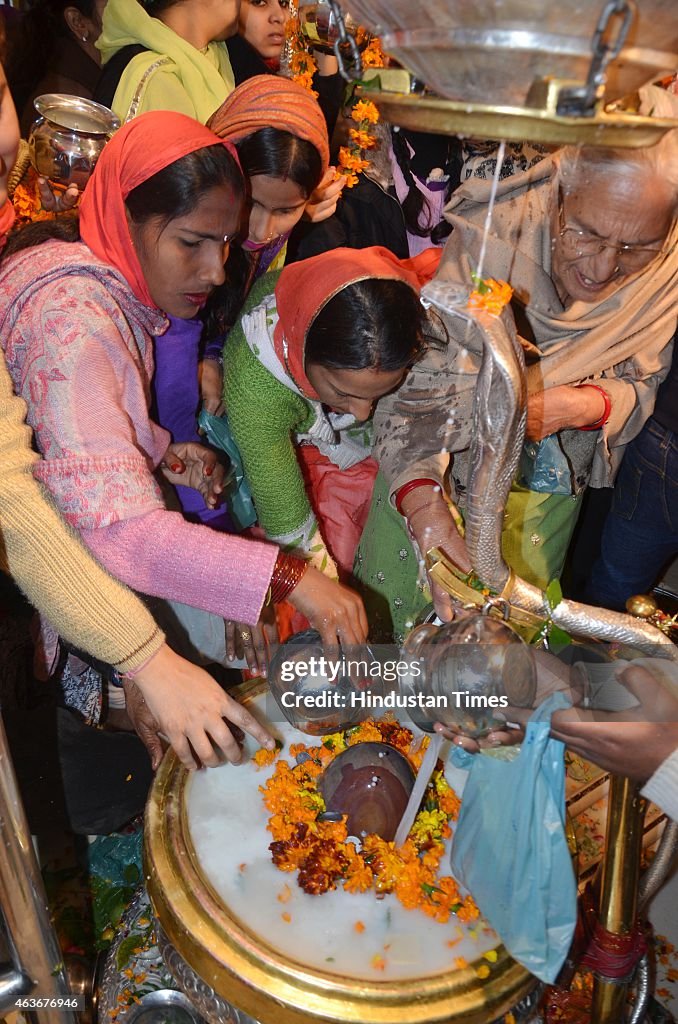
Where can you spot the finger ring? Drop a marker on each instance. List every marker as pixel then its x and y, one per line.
pixel 246 636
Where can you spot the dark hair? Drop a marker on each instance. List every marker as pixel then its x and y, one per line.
pixel 176 189
pixel 172 192
pixel 33 43
pixel 281 154
pixel 372 324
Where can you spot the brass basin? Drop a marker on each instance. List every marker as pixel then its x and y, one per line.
pixel 269 986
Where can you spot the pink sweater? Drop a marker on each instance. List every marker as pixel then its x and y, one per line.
pixel 79 350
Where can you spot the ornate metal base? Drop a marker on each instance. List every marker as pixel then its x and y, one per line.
pixel 211 1006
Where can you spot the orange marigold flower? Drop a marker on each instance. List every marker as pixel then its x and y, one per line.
pixel 365 110
pixel 378 962
pixel 483 971
pixel 468 911
pixel 490 296
pixel 286 917
pixel 460 963
pixel 285 894
pixel 359 927
pixel 262 758
pixel 362 138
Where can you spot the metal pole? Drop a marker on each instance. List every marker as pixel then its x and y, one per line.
pixel 38 971
pixel 619 889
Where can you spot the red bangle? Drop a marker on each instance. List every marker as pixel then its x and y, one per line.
pixel 412 485
pixel 606 411
pixel 287 572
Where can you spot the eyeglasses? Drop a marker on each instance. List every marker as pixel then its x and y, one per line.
pixel 585 243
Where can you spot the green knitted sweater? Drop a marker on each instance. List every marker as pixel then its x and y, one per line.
pixel 264 415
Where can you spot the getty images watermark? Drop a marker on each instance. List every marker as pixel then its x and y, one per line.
pixel 322 690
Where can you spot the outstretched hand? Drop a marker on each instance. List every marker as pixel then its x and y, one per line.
pixel 632 743
pixel 192 465
pixel 182 702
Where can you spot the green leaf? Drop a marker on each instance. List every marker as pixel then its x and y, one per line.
pixel 430 889
pixel 558 639
pixel 554 594
pixel 126 951
pixel 479 283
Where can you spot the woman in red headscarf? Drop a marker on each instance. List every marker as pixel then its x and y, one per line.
pixel 315 348
pixel 77 320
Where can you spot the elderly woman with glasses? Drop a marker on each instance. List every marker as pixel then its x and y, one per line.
pixel 586 238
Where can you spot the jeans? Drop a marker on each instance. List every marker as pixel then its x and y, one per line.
pixel 641 531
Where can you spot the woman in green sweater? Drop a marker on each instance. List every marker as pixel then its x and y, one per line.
pixel 316 346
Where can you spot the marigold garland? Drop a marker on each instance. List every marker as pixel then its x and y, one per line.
pixel 319 852
pixel 27 202
pixel 302 66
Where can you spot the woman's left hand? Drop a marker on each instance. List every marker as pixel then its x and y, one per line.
pixel 322 202
pixel 193 465
pixel 562 407
pixel 212 386
pixel 56 201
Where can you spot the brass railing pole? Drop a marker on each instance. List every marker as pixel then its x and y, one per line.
pixel 619 889
pixel 37 968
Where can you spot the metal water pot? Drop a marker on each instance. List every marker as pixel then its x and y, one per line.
pixel 471 668
pixel 68 138
pixel 319 24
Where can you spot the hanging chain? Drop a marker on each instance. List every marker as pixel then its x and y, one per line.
pixel 581 101
pixel 354 72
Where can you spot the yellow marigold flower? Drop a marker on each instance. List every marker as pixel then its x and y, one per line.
pixel 365 110
pixel 491 955
pixel 460 962
pixel 427 825
pixel 483 971
pixel 378 962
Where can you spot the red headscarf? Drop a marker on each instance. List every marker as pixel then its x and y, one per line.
pixel 304 288
pixel 268 101
pixel 140 149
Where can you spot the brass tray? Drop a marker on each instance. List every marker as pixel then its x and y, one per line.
pixel 518 124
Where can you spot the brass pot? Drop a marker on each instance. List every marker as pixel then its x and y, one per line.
pixel 270 986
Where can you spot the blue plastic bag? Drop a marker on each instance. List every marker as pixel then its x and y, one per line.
pixel 510 849
pixel 544 467
pixel 238 496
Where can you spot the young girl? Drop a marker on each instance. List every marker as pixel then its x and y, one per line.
pixel 77 321
pixel 315 348
pixel 257 47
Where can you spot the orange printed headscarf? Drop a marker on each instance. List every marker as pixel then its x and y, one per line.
pixel 140 149
pixel 268 101
pixel 304 288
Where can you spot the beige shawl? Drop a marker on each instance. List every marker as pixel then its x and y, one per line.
pixel 623 339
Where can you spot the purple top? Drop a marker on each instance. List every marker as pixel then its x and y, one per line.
pixel 176 403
